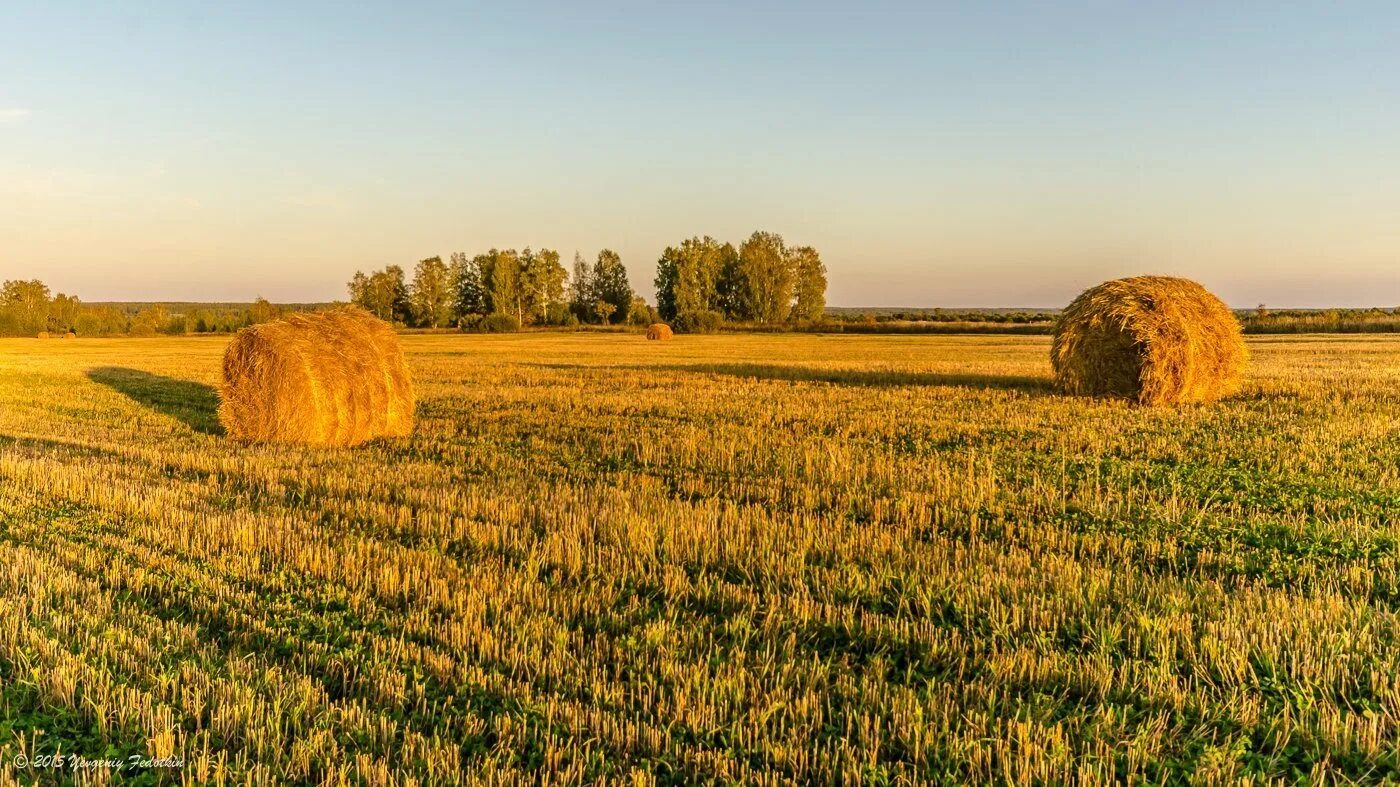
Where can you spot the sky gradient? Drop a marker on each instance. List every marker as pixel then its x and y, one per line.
pixel 973 154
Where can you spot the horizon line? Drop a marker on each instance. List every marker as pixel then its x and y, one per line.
pixel 194 302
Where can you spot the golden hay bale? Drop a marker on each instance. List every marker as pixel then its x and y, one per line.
pixel 70 335
pixel 43 335
pixel 660 332
pixel 331 378
pixel 1155 339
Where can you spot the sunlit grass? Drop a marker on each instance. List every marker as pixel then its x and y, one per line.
pixel 736 558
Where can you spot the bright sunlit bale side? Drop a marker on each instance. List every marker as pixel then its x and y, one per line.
pixel 1158 340
pixel 660 332
pixel 335 378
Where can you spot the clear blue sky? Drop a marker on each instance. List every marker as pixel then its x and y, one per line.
pixel 948 154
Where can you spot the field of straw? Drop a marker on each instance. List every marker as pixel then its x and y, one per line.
pixel 761 559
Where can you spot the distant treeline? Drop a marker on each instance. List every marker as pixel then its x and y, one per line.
pixel 967 316
pixel 942 314
pixel 503 290
pixel 28 308
pixel 1263 320
pixel 701 285
pixel 761 286
pixel 1042 321
pixel 898 327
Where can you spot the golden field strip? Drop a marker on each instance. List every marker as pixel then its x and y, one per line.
pixel 754 558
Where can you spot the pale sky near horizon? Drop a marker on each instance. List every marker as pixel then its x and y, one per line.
pixel 936 154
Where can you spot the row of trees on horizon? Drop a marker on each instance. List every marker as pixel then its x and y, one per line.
pixel 690 291
pixel 703 282
pixel 700 284
pixel 502 290
pixel 29 307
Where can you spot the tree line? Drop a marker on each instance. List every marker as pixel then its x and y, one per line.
pixel 1266 320
pixel 700 285
pixel 502 290
pixel 29 307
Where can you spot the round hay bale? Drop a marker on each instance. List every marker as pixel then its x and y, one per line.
pixel 43 335
pixel 660 332
pixel 70 335
pixel 1158 340
pixel 331 378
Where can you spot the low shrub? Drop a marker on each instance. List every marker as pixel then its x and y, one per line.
pixel 698 322
pixel 499 323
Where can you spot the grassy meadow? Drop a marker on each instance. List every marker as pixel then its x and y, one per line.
pixel 741 558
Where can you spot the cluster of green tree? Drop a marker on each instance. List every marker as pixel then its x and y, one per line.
pixel 702 283
pixel 1375 320
pixel 600 292
pixel 502 290
pixel 28 308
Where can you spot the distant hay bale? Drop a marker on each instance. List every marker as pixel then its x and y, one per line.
pixel 660 332
pixel 70 335
pixel 333 378
pixel 43 335
pixel 1158 340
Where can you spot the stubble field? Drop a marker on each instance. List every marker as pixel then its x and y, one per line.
pixel 758 559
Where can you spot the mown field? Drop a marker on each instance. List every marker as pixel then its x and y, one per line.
pixel 754 559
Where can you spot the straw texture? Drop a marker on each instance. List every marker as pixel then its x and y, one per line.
pixel 334 378
pixel 1157 340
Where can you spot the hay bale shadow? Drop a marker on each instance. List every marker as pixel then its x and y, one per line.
pixel 871 378
pixel 874 377
pixel 194 404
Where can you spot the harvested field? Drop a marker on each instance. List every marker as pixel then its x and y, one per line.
pixel 757 558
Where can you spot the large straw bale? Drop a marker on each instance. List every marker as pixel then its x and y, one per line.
pixel 331 378
pixel 659 332
pixel 1158 340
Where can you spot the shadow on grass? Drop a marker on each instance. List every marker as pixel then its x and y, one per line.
pixel 857 377
pixel 194 404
